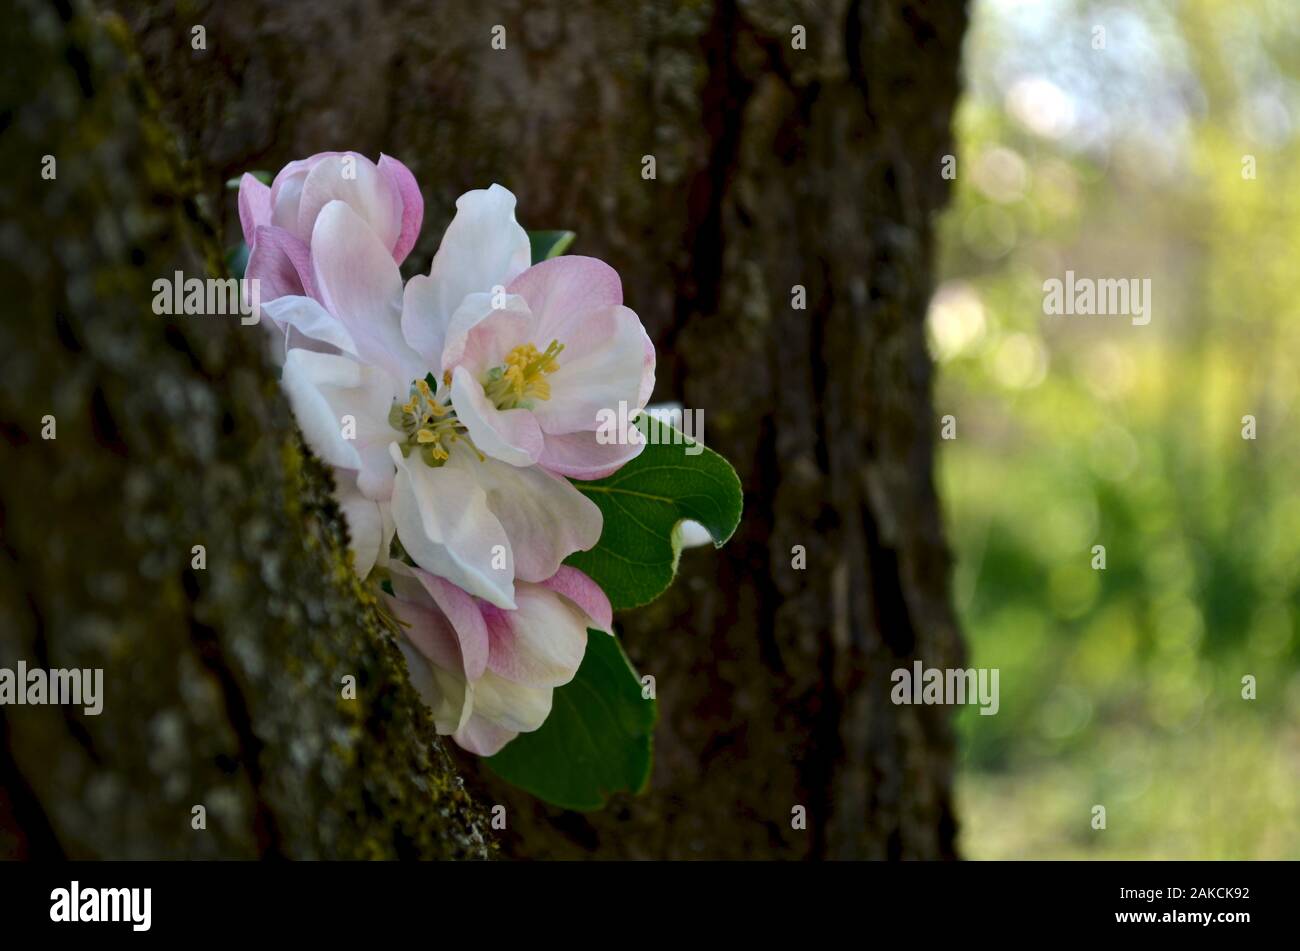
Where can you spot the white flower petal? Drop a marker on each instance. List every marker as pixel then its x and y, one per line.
pixel 544 516
pixel 511 706
pixel 311 320
pixel 370 524
pixel 334 397
pixel 692 534
pixel 450 698
pixel 446 526
pixel 424 331
pixel 484 247
pixel 480 333
pixel 510 435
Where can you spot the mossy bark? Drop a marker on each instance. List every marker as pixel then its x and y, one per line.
pixel 223 684
pixel 775 166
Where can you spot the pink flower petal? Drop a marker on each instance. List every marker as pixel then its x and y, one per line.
pixel 541 643
pixel 359 283
pixel 585 593
pixel 254 206
pixel 602 366
pixel 412 204
pixel 482 737
pixel 286 193
pixel 583 456
pixel 353 179
pixel 281 264
pixel 561 292
pixel 466 618
pixel 427 628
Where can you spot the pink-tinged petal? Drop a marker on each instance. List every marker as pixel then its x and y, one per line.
pixel 446 526
pixel 483 737
pixel 353 179
pixel 449 696
pixel 430 630
pixel 254 206
pixel 586 594
pixel 483 247
pixel 323 390
pixel 598 370
pixel 561 292
pixel 295 171
pixel 544 516
pixel 412 204
pixel 358 281
pixel 509 435
pixel 583 456
pixel 286 193
pixel 541 642
pixel 466 619
pixel 647 371
pixel 511 706
pixel 479 333
pixel 307 325
pixel 281 264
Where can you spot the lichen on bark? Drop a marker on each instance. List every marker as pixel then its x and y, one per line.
pixel 222 684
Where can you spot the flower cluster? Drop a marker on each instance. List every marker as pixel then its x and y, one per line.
pixel 455 409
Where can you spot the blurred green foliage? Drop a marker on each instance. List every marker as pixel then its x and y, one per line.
pixel 1123 687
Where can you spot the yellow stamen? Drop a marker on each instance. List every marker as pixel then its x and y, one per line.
pixel 425 423
pixel 522 376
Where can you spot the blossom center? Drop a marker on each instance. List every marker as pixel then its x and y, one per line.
pixel 522 378
pixel 428 427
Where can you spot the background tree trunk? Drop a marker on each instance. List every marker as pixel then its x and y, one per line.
pixel 775 166
pixel 222 685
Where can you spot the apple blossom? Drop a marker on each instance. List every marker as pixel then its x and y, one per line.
pixel 530 375
pixel 489 674
pixel 278 221
pixel 368 407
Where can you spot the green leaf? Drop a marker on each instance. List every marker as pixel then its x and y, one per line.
pixel 644 502
pixel 596 741
pixel 549 244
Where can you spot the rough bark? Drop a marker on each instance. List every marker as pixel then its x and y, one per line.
pixel 775 167
pixel 222 685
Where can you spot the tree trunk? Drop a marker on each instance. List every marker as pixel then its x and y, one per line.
pixel 222 682
pixel 775 166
